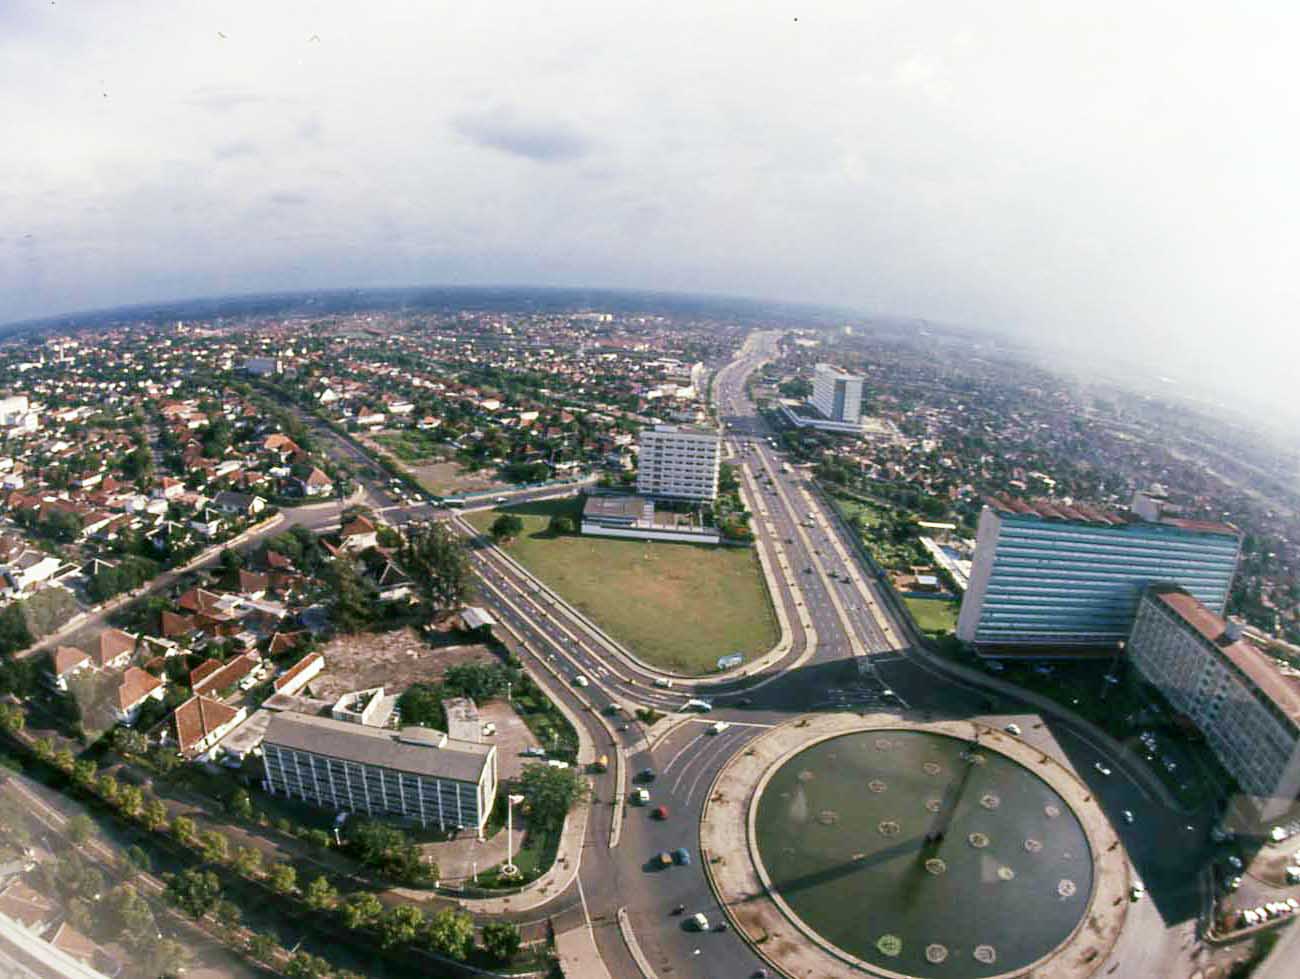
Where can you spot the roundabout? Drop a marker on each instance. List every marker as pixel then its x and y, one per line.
pixel 911 849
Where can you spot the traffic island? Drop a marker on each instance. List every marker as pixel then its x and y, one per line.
pixel 891 848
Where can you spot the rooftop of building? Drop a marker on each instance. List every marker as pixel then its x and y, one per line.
pixel 682 430
pixel 1284 691
pixel 627 507
pixel 420 751
pixel 830 370
pixel 1097 516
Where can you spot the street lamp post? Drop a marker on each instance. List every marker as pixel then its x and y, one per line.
pixel 509 869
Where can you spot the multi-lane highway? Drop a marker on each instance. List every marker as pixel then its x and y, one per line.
pixel 847 650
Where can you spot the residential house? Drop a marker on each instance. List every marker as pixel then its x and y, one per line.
pixel 66 662
pixel 112 649
pixel 136 687
pixel 201 722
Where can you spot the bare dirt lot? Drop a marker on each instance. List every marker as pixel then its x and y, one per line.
pixel 392 660
pixel 449 479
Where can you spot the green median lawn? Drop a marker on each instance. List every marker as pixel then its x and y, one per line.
pixel 934 615
pixel 676 606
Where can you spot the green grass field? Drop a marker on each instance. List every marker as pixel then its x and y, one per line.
pixel 934 615
pixel 677 606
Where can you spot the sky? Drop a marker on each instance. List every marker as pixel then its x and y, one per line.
pixel 1104 178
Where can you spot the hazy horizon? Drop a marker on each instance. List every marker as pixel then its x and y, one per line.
pixel 1114 182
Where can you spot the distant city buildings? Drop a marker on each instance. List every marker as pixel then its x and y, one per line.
pixel 679 462
pixel 1055 575
pixel 416 773
pixel 1247 710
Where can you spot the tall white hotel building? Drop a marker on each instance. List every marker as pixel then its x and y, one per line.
pixel 678 462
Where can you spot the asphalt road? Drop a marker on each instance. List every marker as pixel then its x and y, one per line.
pixel 860 658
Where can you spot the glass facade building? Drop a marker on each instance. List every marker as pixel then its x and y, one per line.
pixel 1054 575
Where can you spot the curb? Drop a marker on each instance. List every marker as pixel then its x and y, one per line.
pixel 633 947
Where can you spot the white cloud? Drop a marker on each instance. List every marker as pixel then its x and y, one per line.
pixel 1120 175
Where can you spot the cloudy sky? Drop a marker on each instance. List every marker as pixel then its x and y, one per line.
pixel 1121 175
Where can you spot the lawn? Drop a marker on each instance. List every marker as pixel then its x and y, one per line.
pixel 934 615
pixel 677 606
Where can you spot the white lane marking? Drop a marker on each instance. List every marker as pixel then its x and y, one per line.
pixel 672 761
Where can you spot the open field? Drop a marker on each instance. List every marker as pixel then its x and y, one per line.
pixel 425 461
pixel 393 660
pixel 677 606
pixel 938 615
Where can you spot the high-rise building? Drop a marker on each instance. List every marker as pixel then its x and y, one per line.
pixel 1057 575
pixel 1248 711
pixel 837 395
pixel 679 462
pixel 416 773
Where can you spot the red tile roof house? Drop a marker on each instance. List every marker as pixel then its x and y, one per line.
pixel 113 649
pixel 300 674
pixel 201 722
pixel 211 677
pixel 359 535
pixel 65 662
pixel 136 687
pixel 316 483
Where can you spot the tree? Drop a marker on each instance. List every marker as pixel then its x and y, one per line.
pixel 306 966
pixel 14 634
pixel 421 704
pixel 216 848
pixel 435 558
pixel 248 862
pixel 84 771
pixel 263 947
pixel 388 850
pixel 155 814
pixel 478 681
pixel 320 894
pixel 64 760
pixel 12 718
pixel 561 524
pixel 353 608
pixel 166 959
pixel 130 801
pixel 400 925
pixel 551 793
pixel 109 788
pixel 240 804
pixel 506 527
pixel 129 915
pixel 282 878
pixel 361 910
pixel 129 742
pixel 195 892
pixel 78 829
pixel 501 940
pixel 186 831
pixel 451 933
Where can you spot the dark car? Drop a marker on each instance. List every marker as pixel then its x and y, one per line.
pixel 646 775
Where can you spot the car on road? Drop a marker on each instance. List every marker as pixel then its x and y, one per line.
pixel 646 775
pixel 695 704
pixel 664 859
pixel 532 751
pixel 1013 729
pixel 1136 891
pixel 1128 816
pixel 699 921
pixel 744 701
pixel 641 797
pixel 1101 768
pixel 581 681
pixel 682 856
pixel 663 683
pixel 720 726
pixel 661 813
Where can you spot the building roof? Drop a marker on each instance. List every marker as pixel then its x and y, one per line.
pixel 288 676
pixel 420 751
pixel 177 625
pixel 1257 667
pixel 224 675
pixel 1087 513
pixel 197 718
pixel 475 617
pixel 68 658
pixel 136 685
pixel 617 507
pixel 26 905
pixel 112 643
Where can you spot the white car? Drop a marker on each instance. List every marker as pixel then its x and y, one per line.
pixel 1101 768
pixel 581 681
pixel 1128 816
pixel 1136 891
pixel 700 922
pixel 642 796
pixel 720 726
pixel 1013 729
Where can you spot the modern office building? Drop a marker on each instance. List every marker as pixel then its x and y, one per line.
pixel 837 394
pixel 415 773
pixel 679 462
pixel 1047 577
pixel 1248 711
